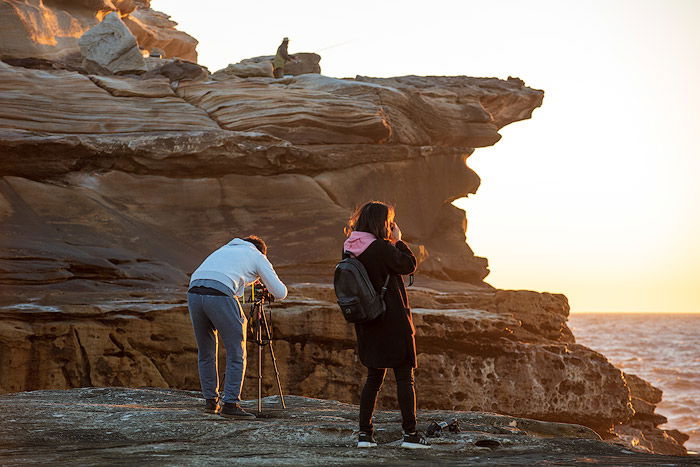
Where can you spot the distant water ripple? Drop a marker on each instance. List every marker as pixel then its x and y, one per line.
pixel 663 349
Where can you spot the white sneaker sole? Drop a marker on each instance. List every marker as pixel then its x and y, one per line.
pixel 415 446
pixel 366 444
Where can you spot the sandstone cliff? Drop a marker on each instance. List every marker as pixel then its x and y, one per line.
pixel 113 189
pixel 286 158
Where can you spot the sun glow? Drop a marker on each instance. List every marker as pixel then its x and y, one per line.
pixel 596 197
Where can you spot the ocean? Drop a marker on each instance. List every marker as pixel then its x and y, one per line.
pixel 662 348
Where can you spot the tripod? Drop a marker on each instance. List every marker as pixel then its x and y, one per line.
pixel 262 337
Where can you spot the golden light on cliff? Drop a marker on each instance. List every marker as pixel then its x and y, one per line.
pixel 44 26
pixel 101 15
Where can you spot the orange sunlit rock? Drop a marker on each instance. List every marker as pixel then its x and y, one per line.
pixel 100 15
pixel 31 28
pixel 46 26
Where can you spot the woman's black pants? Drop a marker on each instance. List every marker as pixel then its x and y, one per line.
pixel 405 391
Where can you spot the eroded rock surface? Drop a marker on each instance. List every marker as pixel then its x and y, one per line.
pixel 109 47
pixel 304 62
pixel 642 429
pixel 143 426
pixel 245 69
pixel 155 30
pixel 508 352
pixel 130 87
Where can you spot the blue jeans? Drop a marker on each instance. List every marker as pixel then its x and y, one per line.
pixel 212 316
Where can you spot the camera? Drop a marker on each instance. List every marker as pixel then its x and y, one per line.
pixel 261 294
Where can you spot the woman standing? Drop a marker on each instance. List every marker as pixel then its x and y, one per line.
pixel 388 341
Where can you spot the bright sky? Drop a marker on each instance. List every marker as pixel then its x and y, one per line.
pixel 597 196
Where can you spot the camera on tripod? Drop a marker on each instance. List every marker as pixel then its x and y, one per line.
pixel 262 336
pixel 261 294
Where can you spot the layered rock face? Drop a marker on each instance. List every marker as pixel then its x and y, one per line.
pixel 192 170
pixel 642 429
pixel 50 30
pixel 113 189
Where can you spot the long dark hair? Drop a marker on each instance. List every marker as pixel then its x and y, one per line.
pixel 374 217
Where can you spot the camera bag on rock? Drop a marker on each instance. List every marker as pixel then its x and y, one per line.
pixel 355 294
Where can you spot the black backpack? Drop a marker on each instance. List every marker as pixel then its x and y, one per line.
pixel 356 296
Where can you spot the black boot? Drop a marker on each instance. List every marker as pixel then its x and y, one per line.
pixel 212 406
pixel 234 410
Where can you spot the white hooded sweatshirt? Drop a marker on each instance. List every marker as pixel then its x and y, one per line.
pixel 237 264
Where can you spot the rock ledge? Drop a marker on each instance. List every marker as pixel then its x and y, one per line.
pixel 89 426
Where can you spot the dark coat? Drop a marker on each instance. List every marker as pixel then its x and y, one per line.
pixel 388 341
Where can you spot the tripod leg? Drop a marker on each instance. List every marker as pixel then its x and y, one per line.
pixel 258 339
pixel 274 360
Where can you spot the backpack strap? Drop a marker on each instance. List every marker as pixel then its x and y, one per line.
pixel 386 283
pixel 347 254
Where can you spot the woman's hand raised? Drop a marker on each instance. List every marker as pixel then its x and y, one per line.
pixel 395 233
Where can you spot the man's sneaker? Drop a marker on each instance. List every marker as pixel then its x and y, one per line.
pixel 415 441
pixel 234 410
pixel 212 406
pixel 366 440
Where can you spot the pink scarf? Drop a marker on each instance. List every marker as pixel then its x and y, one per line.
pixel 358 242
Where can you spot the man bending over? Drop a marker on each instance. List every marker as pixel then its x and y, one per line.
pixel 213 302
